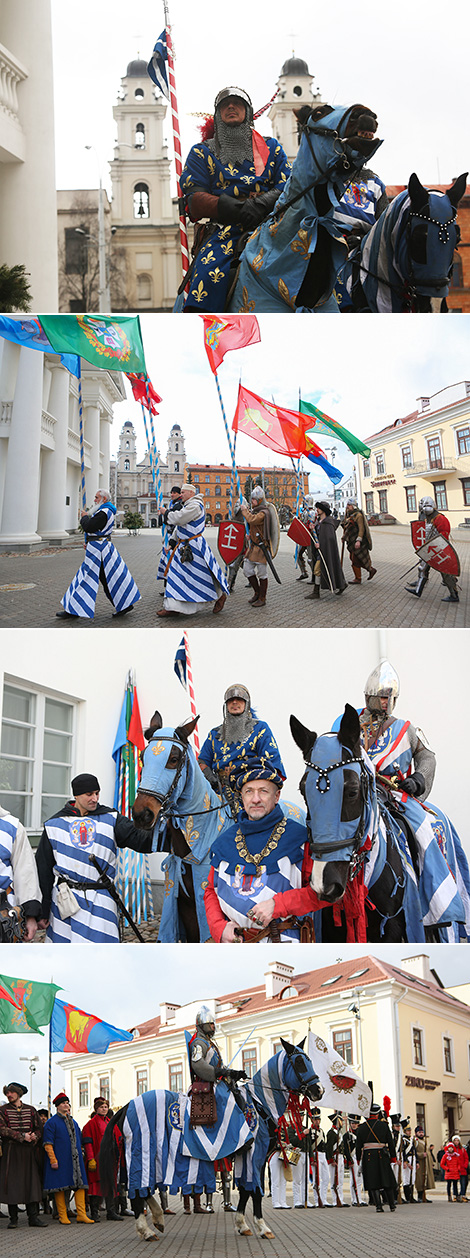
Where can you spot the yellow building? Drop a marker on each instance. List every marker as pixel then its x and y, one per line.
pixel 395 1026
pixel 425 453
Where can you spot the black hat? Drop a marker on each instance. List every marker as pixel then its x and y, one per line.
pixel 405 1123
pixel 354 1118
pixel 333 1118
pixel 15 1087
pixel 61 1096
pixel 323 506
pixel 85 784
pixel 395 1118
pixel 316 1112
pixel 375 1110
pixel 43 1112
pixel 419 1128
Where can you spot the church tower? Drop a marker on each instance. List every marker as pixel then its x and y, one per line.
pixel 144 219
pixel 176 454
pixel 295 90
pixel 127 454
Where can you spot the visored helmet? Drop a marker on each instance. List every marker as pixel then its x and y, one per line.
pixel 205 1020
pixel 427 506
pixel 239 92
pixel 238 692
pixel 382 683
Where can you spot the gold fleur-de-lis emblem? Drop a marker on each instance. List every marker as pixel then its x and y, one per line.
pixel 208 257
pixel 275 225
pixel 225 232
pixel 199 293
pixel 247 306
pixel 284 293
pixel 233 170
pixel 257 262
pixel 221 182
pixel 200 152
pixel 157 748
pixel 216 275
pixel 211 164
pixel 227 247
pixel 301 243
pixel 207 802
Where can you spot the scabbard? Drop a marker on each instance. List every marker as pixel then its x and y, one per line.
pixel 108 885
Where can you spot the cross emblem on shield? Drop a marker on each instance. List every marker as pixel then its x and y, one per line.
pixel 230 540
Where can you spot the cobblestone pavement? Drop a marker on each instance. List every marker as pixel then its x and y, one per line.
pixel 382 602
pixel 424 1232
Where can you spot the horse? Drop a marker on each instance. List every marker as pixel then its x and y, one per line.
pixel 404 262
pixel 358 834
pixel 292 259
pixel 162 1150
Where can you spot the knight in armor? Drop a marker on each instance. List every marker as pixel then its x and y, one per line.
pixel 357 536
pixel 227 746
pixel 327 570
pixel 308 516
pixel 436 522
pixel 255 566
pixel 375 1150
pixel 335 1158
pixel 231 180
pixel 206 1063
pixel 20 893
pixel 350 1161
pixel 318 1162
pixel 260 867
pixel 102 563
pixel 194 579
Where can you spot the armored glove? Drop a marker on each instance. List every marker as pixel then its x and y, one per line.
pixel 232 1076
pixel 229 210
pixel 414 785
pixel 256 209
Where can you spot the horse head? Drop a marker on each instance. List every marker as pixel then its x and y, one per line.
pixel 299 1074
pixel 166 768
pixel 432 235
pixel 337 787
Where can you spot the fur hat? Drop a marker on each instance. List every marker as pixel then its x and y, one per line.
pixel 98 1101
pixel 61 1096
pixel 15 1087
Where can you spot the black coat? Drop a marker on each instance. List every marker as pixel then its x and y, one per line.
pixel 376 1168
pixel 326 531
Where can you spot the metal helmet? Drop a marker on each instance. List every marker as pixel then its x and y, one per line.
pixel 257 493
pixel 238 692
pixel 239 92
pixel 205 1020
pixel 383 682
pixel 427 506
pixel 308 500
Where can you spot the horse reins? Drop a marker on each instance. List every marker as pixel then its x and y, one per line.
pixel 165 799
pixel 323 785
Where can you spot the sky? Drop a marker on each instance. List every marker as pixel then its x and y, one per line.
pixel 134 999
pixel 404 60
pixel 363 372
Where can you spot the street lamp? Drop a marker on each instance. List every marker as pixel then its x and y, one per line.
pixel 355 1008
pixel 32 1071
pixel 103 293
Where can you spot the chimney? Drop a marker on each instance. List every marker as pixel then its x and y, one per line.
pixel 420 967
pixel 277 977
pixel 167 1013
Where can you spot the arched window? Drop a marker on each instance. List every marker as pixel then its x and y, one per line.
pixel 176 447
pixel 127 445
pixel 177 466
pixel 144 288
pixel 127 466
pixel 139 138
pixel 141 201
pixel 139 93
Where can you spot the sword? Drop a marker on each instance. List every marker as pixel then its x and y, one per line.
pixel 108 885
pixel 316 553
pixel 265 550
pixel 405 574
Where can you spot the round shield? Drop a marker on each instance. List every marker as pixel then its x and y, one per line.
pixel 274 529
pixel 299 533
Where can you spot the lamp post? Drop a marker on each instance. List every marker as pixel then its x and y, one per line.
pixel 32 1071
pixel 104 302
pixel 355 1008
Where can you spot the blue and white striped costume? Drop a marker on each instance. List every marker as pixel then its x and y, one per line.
pixel 385 255
pixel 192 585
pixel 80 598
pixel 73 840
pixel 240 884
pixel 18 876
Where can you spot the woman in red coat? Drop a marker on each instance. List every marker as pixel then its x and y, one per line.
pixel 93 1133
pixel 450 1164
pixel 463 1166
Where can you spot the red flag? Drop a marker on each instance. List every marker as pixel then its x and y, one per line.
pixel 273 426
pixel 224 332
pixel 143 391
pixel 135 732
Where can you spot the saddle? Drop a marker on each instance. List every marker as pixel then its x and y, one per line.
pixel 203 1111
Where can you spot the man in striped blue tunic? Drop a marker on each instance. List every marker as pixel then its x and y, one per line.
pixel 194 579
pixel 19 886
pixel 76 908
pixel 102 563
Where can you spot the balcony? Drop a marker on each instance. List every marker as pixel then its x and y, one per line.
pixel 12 138
pixel 429 467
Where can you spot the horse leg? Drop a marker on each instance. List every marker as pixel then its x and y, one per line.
pixel 187 911
pixel 240 1221
pixel 156 1212
pixel 143 1230
pixel 261 1227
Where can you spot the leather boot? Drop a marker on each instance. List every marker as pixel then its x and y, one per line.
pixel 261 600
pixel 255 586
pixel 197 1208
pixel 59 1198
pixel 357 576
pixel 95 1208
pixel 82 1216
pixel 315 592
pixel 186 1204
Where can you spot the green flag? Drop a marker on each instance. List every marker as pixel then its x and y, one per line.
pixel 36 1002
pixel 323 425
pixel 112 344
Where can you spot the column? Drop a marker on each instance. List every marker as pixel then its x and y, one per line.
pixel 54 464
pixel 91 417
pixel 21 498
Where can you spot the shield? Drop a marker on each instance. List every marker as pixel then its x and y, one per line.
pixel 299 533
pixel 437 551
pixel 274 529
pixel 230 540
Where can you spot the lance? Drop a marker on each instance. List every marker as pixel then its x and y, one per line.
pixel 108 885
pixel 192 699
pixel 245 1041
pixel 176 141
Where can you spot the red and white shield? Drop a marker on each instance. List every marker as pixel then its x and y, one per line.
pixel 437 551
pixel 299 533
pixel 230 540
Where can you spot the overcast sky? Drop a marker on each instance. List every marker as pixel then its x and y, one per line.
pixel 365 373
pixel 167 972
pixel 409 63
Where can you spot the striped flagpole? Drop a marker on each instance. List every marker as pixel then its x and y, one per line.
pixel 82 442
pixel 192 700
pixel 176 140
pixel 159 490
pixel 230 505
pixel 227 430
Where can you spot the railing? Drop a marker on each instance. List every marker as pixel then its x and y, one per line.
pixel 48 423
pixel 11 74
pixel 430 465
pixel 5 412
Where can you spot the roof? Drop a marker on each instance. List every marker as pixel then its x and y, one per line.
pixel 295 65
pixel 314 985
pixel 137 69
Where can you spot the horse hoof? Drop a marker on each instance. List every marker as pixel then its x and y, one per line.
pixel 267 1236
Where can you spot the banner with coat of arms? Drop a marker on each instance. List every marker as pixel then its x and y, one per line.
pixel 343 1089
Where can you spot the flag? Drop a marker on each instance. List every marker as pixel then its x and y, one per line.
pixel 143 391
pixel 225 332
pixel 135 732
pixel 157 65
pixel 279 429
pixel 6 995
pixel 343 1089
pixel 133 870
pixel 114 344
pixel 74 1031
pixel 324 425
pixel 180 663
pixel 27 331
pixel 31 1005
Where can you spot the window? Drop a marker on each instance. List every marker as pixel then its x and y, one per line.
pixel 141 201
pixel 369 504
pixel 207 478
pixel 277 1047
pixel 457 272
pixel 83 1094
pixel 139 139
pixel 383 500
pixel 227 492
pixel 141 1081
pixel 149 486
pixel 217 479
pixel 418 1047
pixel 434 452
pixel 36 754
pixel 176 447
pixel 380 464
pixel 421 1115
pixel 448 1051
pixel 142 508
pixel 342 1044
pixel 76 250
pixel 217 506
pixel 249 1061
pixel 175 1073
pixel 196 476
pixel 466 490
pixel 411 498
pixel 440 494
pixel 406 456
pixel 177 465
pixel 463 440
pixel 127 466
pixel 144 288
pixel 228 479
pixel 208 491
pixel 366 468
pixel 104 1088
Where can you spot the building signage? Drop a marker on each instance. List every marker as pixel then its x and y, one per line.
pixel 428 1084
pixel 381 481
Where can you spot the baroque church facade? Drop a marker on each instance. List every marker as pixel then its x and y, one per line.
pixel 131 481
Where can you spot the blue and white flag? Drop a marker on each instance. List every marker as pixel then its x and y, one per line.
pixel 180 664
pixel 157 65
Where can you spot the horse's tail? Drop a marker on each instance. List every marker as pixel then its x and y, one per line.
pixel 110 1152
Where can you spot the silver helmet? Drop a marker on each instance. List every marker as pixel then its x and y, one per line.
pixel 238 692
pixel 382 683
pixel 239 92
pixel 205 1020
pixel 427 506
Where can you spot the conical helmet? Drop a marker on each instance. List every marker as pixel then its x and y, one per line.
pixel 382 682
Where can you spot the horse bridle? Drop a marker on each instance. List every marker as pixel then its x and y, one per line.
pixel 408 289
pixel 323 785
pixel 164 800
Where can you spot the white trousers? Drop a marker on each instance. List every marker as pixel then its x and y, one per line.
pixel 340 1182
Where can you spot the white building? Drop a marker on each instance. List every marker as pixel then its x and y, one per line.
pixel 295 90
pixel 40 444
pixel 133 481
pixel 28 231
